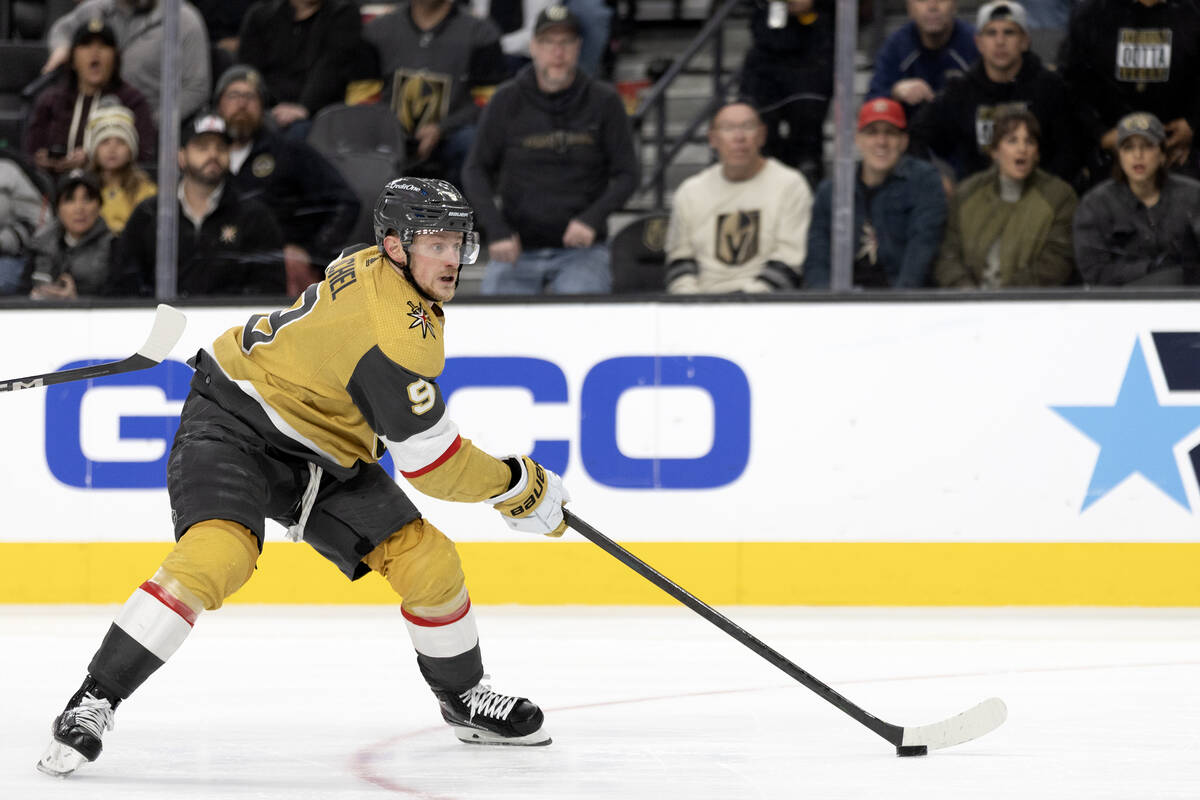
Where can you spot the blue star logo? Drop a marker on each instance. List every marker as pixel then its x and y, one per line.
pixel 1136 435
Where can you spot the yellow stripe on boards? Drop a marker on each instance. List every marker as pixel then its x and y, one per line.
pixel 720 573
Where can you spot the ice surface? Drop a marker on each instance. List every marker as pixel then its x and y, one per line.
pixel 317 702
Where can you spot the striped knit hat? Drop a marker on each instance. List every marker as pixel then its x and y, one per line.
pixel 108 121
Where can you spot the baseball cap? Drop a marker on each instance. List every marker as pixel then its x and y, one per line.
pixel 881 109
pixel 77 177
pixel 1001 10
pixel 556 15
pixel 202 122
pixel 94 28
pixel 1141 123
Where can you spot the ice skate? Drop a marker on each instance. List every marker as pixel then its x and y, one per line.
pixel 77 730
pixel 482 716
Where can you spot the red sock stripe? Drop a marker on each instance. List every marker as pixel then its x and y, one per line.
pixel 170 601
pixel 442 459
pixel 437 622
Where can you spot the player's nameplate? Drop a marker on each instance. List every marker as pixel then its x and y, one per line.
pixel 1144 56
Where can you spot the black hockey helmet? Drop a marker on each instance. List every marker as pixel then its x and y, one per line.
pixel 425 205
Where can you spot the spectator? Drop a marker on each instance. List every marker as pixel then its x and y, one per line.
pixel 307 50
pixel 516 18
pixel 313 205
pixel 915 61
pixel 227 246
pixel 788 76
pixel 957 125
pixel 72 255
pixel 22 207
pixel 93 78
pixel 1010 225
pixel 111 143
pixel 1120 57
pixel 137 25
pixel 223 21
pixel 435 56
pixel 1142 226
pixel 899 209
pixel 556 147
pixel 742 224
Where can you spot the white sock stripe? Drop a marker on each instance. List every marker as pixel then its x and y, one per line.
pixel 444 641
pixel 152 624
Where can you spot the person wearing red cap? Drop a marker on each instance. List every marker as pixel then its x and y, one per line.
pixel 899 208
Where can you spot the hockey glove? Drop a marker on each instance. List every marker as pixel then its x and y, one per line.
pixel 534 501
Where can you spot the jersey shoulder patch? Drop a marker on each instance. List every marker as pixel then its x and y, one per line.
pixel 410 327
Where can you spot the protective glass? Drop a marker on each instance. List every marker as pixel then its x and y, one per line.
pixel 467 249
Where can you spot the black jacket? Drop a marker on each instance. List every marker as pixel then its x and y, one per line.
pixel 308 61
pixel 237 250
pixel 312 203
pixel 957 125
pixel 550 158
pixel 1106 90
pixel 797 57
pixel 1118 240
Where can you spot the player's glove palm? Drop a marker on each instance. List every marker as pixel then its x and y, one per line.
pixel 534 503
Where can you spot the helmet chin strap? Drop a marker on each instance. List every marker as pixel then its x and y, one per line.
pixel 407 273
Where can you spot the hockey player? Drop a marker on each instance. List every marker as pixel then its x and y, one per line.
pixel 286 418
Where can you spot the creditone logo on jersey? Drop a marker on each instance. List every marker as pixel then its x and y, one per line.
pixel 420 318
pixel 420 97
pixel 1139 432
pixel 116 432
pixel 737 237
pixel 1143 55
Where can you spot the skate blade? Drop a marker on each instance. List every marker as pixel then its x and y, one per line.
pixel 538 738
pixel 60 760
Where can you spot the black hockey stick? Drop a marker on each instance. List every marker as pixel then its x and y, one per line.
pixel 909 741
pixel 168 327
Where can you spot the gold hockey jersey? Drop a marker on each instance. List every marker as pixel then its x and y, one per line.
pixel 349 370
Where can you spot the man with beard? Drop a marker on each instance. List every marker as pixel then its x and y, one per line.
pixel 227 246
pixel 314 206
pixel 139 32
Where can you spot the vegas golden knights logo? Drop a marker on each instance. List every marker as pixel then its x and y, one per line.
pixel 420 97
pixel 737 237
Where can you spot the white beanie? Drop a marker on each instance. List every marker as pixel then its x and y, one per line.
pixel 108 121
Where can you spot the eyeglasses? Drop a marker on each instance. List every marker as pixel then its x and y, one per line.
pixel 737 127
pixel 234 96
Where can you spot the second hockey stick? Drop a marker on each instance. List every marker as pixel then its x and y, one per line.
pixel 908 740
pixel 168 327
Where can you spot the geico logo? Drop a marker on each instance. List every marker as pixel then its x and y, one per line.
pixel 599 397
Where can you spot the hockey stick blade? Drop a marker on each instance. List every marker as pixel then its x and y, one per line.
pixel 168 328
pixel 971 724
